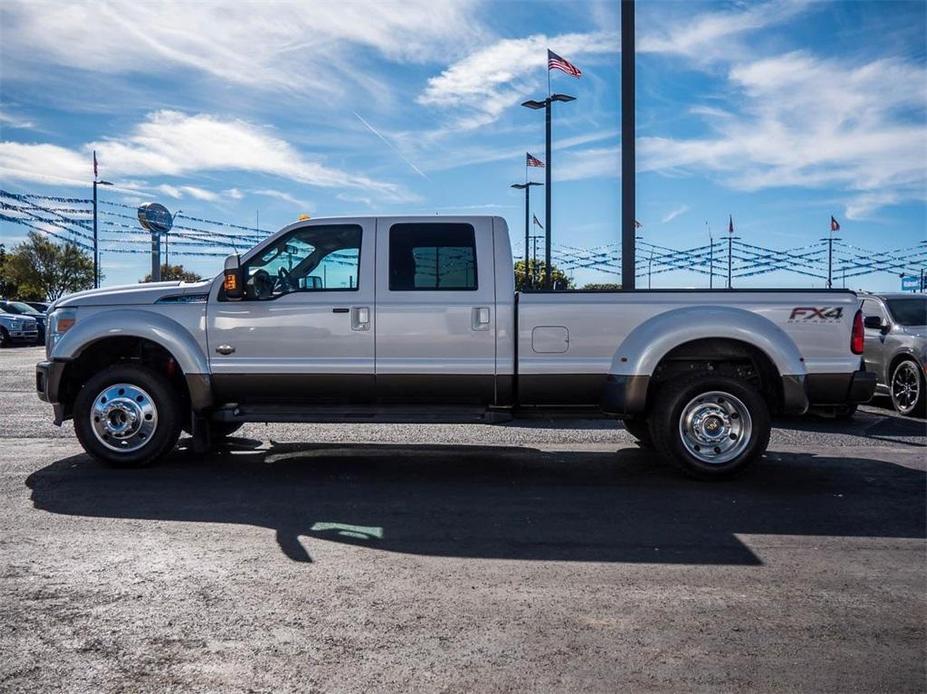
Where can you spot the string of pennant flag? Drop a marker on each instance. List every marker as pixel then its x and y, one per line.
pixel 70 221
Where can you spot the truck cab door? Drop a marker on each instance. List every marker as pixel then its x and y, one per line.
pixel 435 311
pixel 304 331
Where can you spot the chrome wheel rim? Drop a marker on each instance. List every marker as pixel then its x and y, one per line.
pixel 906 387
pixel 123 417
pixel 715 427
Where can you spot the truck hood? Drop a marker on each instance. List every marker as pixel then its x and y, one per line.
pixel 132 294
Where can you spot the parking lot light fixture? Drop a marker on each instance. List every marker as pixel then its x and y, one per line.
pixel 536 105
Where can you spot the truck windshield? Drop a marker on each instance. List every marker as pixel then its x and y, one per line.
pixel 909 312
pixel 18 308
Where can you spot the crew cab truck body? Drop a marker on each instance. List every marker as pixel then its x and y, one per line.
pixel 416 319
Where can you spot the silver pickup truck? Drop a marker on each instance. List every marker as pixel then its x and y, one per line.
pixel 416 319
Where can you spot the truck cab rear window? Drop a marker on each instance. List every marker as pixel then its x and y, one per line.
pixel 431 256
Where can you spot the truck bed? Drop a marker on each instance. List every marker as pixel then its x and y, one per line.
pixel 566 340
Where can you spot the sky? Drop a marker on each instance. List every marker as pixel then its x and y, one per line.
pixel 778 114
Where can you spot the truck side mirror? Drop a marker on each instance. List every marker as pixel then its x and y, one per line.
pixel 872 322
pixel 232 283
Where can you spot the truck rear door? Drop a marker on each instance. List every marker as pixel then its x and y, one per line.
pixel 435 311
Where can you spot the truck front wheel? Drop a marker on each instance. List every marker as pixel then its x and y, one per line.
pixel 127 416
pixel 712 427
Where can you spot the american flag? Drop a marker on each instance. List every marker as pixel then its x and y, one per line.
pixel 94 163
pixel 533 161
pixel 537 221
pixel 730 224
pixel 555 62
pixel 834 224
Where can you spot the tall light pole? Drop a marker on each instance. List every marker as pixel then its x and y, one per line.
pixel 628 173
pixel 527 188
pixel 537 105
pixel 96 249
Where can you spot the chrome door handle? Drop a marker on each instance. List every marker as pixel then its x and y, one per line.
pixel 360 318
pixel 480 318
pixel 225 349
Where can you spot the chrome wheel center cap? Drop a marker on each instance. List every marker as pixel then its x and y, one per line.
pixel 121 417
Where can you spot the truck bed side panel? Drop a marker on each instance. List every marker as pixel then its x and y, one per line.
pixel 591 326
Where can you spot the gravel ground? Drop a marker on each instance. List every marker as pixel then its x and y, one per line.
pixel 531 557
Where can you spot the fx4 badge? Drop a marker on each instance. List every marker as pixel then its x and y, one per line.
pixel 815 314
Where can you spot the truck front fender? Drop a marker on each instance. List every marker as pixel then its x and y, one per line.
pixel 148 325
pixel 639 354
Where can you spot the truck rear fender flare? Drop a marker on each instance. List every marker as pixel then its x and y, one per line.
pixel 148 325
pixel 640 353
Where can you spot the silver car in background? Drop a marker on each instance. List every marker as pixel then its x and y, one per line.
pixel 896 347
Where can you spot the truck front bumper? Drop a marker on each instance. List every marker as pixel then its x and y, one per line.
pixel 30 337
pixel 47 383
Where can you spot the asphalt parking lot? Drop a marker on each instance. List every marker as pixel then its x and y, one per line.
pixel 418 558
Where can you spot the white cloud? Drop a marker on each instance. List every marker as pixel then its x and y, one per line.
pixel 709 36
pixel 811 122
pixel 264 44
pixel 44 163
pixel 170 143
pixel 594 162
pixel 286 197
pixel 672 214
pixel 178 192
pixel 12 121
pixel 496 77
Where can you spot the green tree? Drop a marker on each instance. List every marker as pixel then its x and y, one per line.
pixel 43 270
pixel 535 276
pixel 7 285
pixel 175 272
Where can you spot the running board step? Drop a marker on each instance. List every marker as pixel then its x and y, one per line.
pixel 380 414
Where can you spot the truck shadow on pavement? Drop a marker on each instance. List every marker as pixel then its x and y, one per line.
pixel 497 502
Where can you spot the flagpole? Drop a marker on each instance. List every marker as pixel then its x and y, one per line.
pixel 548 73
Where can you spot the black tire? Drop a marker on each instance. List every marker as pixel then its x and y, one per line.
pixel 915 377
pixel 639 429
pixel 167 406
pixel 747 439
pixel 5 340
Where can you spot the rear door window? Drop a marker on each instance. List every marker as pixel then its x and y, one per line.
pixel 432 257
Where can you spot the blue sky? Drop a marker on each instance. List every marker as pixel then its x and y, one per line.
pixel 779 113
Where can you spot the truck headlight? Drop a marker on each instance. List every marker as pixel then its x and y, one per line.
pixel 59 322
